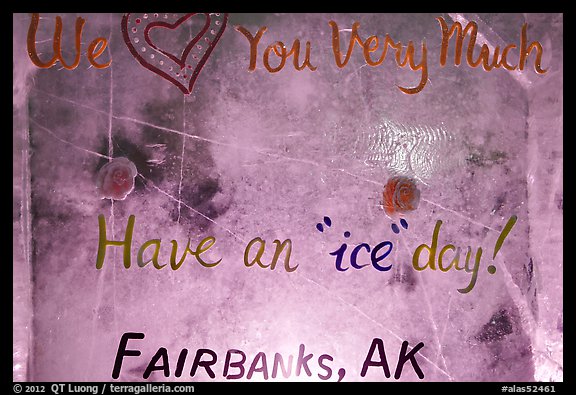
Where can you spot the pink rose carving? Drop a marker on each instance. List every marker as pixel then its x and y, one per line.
pixel 116 179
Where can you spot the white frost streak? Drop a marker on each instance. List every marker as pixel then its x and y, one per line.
pixel 182 158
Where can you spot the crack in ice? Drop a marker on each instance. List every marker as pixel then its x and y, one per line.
pixel 32 120
pixel 100 286
pixel 71 101
pixel 27 246
pixel 445 325
pixel 362 313
pixel 423 289
pixel 460 215
pixel 182 158
pixel 151 184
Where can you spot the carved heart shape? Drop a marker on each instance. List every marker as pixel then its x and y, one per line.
pixel 181 69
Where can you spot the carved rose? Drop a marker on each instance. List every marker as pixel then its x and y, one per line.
pixel 116 179
pixel 400 195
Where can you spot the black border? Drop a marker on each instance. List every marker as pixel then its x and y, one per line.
pixel 342 6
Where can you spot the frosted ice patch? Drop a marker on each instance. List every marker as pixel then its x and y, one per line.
pixel 420 151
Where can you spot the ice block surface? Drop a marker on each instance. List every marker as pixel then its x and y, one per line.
pixel 269 155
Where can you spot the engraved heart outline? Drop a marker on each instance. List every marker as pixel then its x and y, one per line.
pixel 169 66
pixel 182 60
